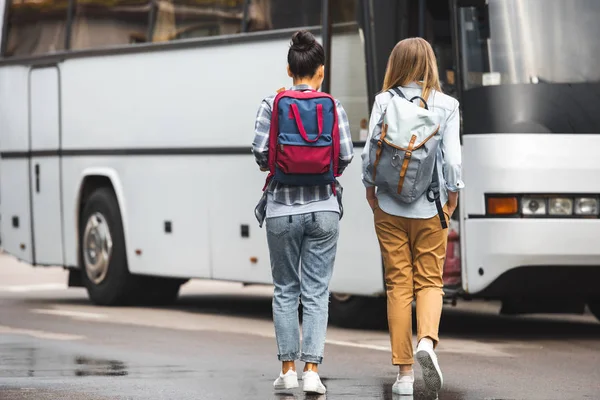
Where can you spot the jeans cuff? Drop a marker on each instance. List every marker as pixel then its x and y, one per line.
pixel 311 359
pixel 288 356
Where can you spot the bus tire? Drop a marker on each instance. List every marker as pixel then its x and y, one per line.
pixel 594 307
pixel 357 312
pixel 156 291
pixel 103 256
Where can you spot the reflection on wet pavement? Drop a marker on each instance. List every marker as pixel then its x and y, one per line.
pixel 342 388
pixel 94 367
pixel 19 359
pixel 26 361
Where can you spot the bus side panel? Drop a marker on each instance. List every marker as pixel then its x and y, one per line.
pixel 14 175
pixel 236 189
pixel 358 266
pixel 195 98
pixel 157 192
pixel 15 209
pixel 14 113
pixel 172 99
pixel 163 191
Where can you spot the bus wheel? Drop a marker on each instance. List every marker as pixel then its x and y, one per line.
pixel 594 307
pixel 357 311
pixel 102 251
pixel 157 291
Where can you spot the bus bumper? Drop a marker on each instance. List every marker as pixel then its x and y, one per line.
pixel 525 257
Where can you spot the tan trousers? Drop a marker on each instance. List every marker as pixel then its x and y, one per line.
pixel 413 253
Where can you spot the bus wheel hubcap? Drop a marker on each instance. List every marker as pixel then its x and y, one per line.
pixel 97 248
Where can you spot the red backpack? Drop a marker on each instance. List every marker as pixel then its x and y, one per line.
pixel 304 140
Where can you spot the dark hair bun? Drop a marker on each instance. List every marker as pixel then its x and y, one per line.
pixel 305 55
pixel 303 41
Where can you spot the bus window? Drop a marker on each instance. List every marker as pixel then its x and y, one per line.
pixel 438 32
pixel 343 11
pixel 529 41
pixel 35 27
pixel 100 23
pixel 266 15
pixel 282 14
pixel 184 19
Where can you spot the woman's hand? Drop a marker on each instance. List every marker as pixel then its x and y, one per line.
pixel 373 203
pixel 371 198
pixel 452 202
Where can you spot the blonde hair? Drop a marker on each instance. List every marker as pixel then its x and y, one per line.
pixel 412 60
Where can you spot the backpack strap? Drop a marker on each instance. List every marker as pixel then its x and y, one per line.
pixel 397 91
pixel 433 195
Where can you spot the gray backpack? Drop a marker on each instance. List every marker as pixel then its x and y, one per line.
pixel 402 158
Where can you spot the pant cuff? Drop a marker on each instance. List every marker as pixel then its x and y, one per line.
pixel 403 361
pixel 311 359
pixel 434 338
pixel 288 357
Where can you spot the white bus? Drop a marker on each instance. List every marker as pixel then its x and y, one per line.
pixel 125 131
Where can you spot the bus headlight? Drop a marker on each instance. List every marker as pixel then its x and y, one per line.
pixel 560 206
pixel 586 206
pixel 533 206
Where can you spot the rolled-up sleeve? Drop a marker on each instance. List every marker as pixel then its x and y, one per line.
pixel 452 152
pixel 374 129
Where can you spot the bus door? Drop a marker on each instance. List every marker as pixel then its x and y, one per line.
pixel 45 165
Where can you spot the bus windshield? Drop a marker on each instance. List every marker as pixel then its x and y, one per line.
pixel 529 41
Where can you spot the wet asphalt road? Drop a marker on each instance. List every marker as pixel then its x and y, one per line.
pixel 217 343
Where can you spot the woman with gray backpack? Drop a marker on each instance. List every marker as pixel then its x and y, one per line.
pixel 412 175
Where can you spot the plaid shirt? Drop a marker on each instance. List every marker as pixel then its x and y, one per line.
pixel 291 195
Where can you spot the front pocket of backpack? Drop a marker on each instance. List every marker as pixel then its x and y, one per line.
pixel 303 159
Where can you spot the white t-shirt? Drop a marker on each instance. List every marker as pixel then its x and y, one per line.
pixel 275 209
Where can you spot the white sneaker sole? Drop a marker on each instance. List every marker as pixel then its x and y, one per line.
pixel 287 384
pixel 403 390
pixel 312 385
pixel 314 389
pixel 432 375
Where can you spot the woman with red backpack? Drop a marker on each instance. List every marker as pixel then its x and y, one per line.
pixel 302 137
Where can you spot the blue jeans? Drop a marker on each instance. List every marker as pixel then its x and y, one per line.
pixel 302 249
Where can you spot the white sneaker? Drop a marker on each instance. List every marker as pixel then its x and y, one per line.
pixel 287 381
pixel 432 374
pixel 404 385
pixel 312 383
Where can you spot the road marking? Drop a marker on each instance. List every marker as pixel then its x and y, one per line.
pixel 358 345
pixel 69 313
pixel 181 321
pixel 33 288
pixel 39 334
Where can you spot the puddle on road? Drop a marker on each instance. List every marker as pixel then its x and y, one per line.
pixel 95 367
pixel 18 361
